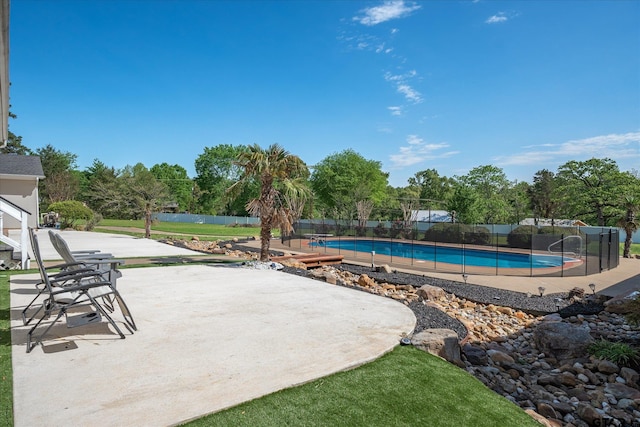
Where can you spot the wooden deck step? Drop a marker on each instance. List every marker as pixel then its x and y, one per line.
pixel 312 260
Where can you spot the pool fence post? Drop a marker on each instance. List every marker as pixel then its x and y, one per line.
pixel 562 255
pixel 495 240
pixel 464 260
pixel 373 260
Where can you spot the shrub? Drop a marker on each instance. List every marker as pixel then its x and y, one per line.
pixel 396 229
pixel 616 352
pixel 361 231
pixel 477 235
pixel 322 228
pixel 400 231
pixel 71 211
pixel 380 230
pixel 444 232
pixel 95 220
pixel 520 237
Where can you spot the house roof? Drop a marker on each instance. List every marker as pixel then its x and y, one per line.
pixel 15 164
pixel 431 216
pixel 556 222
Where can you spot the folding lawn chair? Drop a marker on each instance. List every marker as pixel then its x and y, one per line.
pixel 75 289
pixel 99 261
pixel 57 277
pixel 104 264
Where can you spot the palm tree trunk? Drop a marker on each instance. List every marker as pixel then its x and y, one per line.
pixel 626 253
pixel 265 237
pixel 147 222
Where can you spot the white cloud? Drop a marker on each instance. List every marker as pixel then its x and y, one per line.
pixel 615 146
pixel 381 48
pixel 417 151
pixel 390 9
pixel 414 140
pixel 502 17
pixel 410 93
pixel 395 110
pixel 394 30
pixel 403 87
pixel 364 42
pixel 495 19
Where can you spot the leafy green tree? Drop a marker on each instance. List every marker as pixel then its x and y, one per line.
pixel 14 146
pixel 280 175
pixel 629 220
pixel 490 184
pixel 135 193
pixel 434 189
pixel 518 196
pixel 216 171
pixel 14 143
pixel 100 178
pixel 543 197
pixel 408 203
pixel 463 204
pixel 59 183
pixel 341 180
pixel 145 193
pixel 177 181
pixel 71 211
pixel 590 190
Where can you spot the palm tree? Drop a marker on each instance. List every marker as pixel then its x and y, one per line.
pixel 629 222
pixel 281 176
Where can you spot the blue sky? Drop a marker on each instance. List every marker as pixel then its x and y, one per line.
pixel 450 85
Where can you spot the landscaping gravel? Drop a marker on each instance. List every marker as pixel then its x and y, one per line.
pixel 534 304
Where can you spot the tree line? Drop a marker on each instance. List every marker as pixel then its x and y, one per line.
pixel 343 186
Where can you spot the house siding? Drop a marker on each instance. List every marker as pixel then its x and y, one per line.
pixel 22 193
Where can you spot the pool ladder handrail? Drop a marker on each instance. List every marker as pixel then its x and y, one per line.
pixel 579 255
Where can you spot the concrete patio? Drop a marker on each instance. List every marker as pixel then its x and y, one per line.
pixel 208 338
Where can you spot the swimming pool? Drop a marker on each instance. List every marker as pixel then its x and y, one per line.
pixel 449 255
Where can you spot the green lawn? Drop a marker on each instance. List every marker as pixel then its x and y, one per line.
pixel 406 387
pixel 635 248
pixel 6 384
pixel 203 231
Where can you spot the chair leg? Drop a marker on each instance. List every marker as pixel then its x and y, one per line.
pixel 125 311
pixel 106 315
pixel 26 321
pixel 61 311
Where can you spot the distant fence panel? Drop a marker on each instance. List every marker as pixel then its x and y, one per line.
pixel 463 248
pixel 206 219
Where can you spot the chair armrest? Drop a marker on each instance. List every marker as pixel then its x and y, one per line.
pixel 109 261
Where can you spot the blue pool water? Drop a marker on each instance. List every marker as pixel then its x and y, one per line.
pixel 448 255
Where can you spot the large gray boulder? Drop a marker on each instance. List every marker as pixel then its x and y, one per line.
pixel 562 340
pixel 440 342
pixel 620 304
